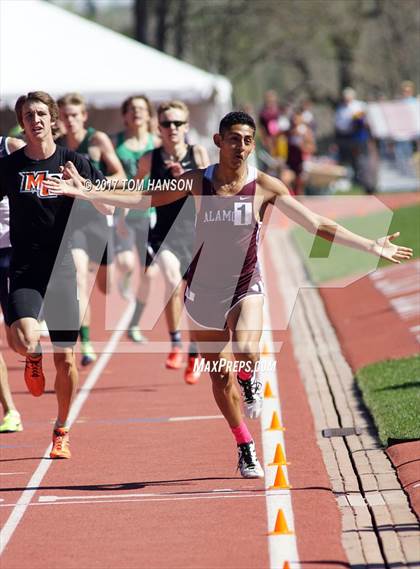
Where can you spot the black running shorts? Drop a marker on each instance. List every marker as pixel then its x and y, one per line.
pixel 179 241
pixel 138 230
pixel 97 240
pixel 57 300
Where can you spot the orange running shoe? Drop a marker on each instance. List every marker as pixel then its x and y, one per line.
pixel 192 372
pixel 61 443
pixel 174 359
pixel 34 376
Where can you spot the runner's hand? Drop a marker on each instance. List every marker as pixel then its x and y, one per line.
pixel 387 250
pixel 62 187
pixel 72 184
pixel 70 173
pixel 175 168
pixel 69 188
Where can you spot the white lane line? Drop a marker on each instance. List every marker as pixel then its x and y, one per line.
pixel 10 473
pixel 281 547
pixel 408 307
pixel 156 499
pixel 197 418
pixel 33 484
pixel 139 495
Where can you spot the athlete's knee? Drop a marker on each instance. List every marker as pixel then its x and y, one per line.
pixel 24 340
pixel 246 350
pixel 223 384
pixel 220 371
pixel 125 261
pixel 125 266
pixel 173 291
pixel 65 363
pixel 173 281
pixel 221 379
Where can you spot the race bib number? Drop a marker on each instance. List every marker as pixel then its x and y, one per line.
pixel 243 213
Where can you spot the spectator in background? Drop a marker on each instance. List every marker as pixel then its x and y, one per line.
pixel 308 115
pixel 247 107
pixel 344 116
pixel 272 139
pixel 268 119
pixel 351 133
pixel 364 154
pixel 300 146
pixel 404 149
pixel 407 92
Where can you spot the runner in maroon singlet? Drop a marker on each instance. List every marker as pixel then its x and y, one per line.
pixel 224 275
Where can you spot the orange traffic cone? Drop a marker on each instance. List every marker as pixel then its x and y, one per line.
pixel 280 483
pixel 279 458
pixel 286 565
pixel 275 423
pixel 267 391
pixel 281 527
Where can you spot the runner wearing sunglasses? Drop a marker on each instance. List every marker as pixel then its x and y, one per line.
pixel 171 238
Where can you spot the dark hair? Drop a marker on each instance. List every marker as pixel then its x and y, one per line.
pixel 236 117
pixel 126 103
pixel 38 96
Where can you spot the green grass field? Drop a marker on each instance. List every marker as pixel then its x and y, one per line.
pixel 325 262
pixel 391 391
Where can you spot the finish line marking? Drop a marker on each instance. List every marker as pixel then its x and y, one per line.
pixel 20 508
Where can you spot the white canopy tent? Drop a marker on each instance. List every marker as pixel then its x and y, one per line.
pixel 43 47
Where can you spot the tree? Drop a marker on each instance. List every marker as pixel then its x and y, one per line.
pixel 302 48
pixel 141 20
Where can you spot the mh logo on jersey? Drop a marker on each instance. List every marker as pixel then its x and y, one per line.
pixel 32 182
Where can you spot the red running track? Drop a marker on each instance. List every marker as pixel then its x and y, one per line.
pixel 142 491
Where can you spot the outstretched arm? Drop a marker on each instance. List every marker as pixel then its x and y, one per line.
pixel 118 193
pixel 182 183
pixel 108 192
pixel 101 207
pixel 326 228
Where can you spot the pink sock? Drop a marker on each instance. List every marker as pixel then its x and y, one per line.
pixel 244 375
pixel 241 433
